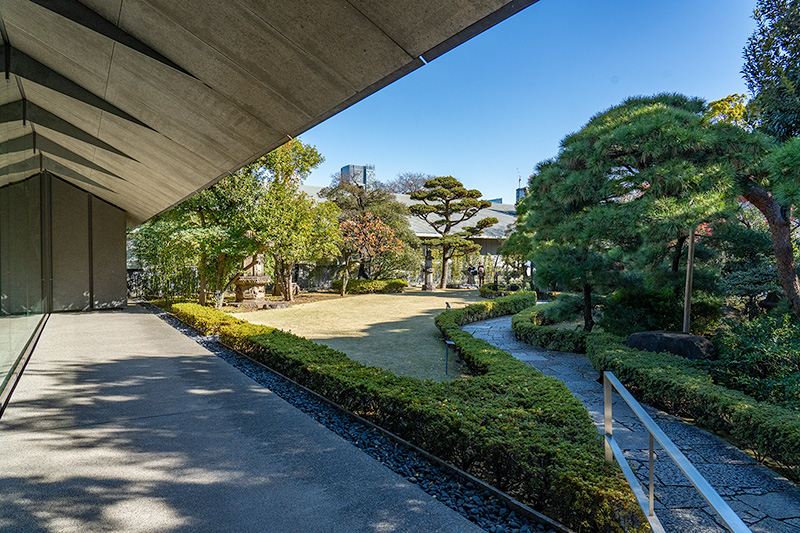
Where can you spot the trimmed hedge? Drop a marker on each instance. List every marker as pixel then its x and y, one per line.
pixel 368 286
pixel 679 387
pixel 510 425
pixel 532 325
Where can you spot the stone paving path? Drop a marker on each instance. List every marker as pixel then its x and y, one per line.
pixel 765 500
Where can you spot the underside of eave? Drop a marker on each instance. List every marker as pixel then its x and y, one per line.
pixel 146 102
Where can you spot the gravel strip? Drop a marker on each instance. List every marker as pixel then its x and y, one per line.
pixel 472 502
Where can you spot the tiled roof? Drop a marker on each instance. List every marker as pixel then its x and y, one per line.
pixel 504 213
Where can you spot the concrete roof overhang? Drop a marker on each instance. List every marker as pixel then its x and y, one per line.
pixel 145 102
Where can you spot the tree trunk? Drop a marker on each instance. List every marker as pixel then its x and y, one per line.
pixel 203 259
pixel 276 277
pixel 779 225
pixel 588 321
pixel 363 273
pixel 286 279
pixel 203 281
pixel 445 265
pixel 219 290
pixel 345 277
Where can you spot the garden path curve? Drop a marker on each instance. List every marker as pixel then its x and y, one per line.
pixel 764 499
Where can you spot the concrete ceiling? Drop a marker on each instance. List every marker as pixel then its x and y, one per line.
pixel 145 102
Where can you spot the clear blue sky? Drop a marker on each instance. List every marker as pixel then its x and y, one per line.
pixel 503 101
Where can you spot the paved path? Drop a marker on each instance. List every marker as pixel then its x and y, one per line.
pixel 766 501
pixel 122 423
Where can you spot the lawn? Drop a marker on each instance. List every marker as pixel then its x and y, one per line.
pixel 391 331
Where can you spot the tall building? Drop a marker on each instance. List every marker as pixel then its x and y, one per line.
pixel 361 174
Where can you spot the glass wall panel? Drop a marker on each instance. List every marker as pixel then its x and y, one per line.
pixel 21 288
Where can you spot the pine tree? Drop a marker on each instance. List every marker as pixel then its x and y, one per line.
pixel 445 203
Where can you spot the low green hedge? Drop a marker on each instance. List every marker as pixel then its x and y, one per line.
pixel 368 286
pixel 532 325
pixel 680 387
pixel 509 425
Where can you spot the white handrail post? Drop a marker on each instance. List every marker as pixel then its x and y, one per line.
pixel 607 419
pixel 652 461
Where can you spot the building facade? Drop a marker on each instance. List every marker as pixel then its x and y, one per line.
pixel 362 175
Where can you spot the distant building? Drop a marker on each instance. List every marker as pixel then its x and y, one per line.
pixel 495 200
pixel 520 193
pixel 359 174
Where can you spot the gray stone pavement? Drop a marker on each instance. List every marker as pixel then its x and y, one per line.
pixel 765 500
pixel 122 423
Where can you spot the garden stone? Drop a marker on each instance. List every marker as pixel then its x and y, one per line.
pixel 683 344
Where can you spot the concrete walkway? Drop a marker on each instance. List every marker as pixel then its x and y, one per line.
pixel 766 501
pixel 121 423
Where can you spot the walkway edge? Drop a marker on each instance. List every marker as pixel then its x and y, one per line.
pixel 22 362
pixel 515 505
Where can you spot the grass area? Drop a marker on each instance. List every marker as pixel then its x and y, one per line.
pixel 391 331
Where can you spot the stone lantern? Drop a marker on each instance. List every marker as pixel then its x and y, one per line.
pixel 428 284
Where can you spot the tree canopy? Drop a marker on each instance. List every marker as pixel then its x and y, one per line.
pixel 445 203
pixel 637 176
pixel 406 183
pixel 355 201
pixel 772 67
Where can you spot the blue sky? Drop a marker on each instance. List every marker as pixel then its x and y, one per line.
pixel 501 102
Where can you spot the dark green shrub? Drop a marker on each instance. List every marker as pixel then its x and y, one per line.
pixel 761 357
pixel 512 426
pixel 636 308
pixel 494 290
pixel 369 286
pixel 533 326
pixel 565 307
pixel 682 388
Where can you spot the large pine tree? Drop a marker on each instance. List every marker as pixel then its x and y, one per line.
pixel 640 174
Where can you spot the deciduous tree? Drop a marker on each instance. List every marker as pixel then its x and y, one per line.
pixel 291 227
pixel 407 183
pixel 355 201
pixel 364 237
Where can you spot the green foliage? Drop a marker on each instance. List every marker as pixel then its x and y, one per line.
pixel 761 358
pixel 513 427
pixel 734 110
pixel 368 286
pixel 207 233
pixel 564 307
pixel 445 203
pixel 508 305
pixel 636 308
pixel 684 389
pixel 290 163
pixel 166 256
pixel 291 227
pixel 784 162
pixel 772 66
pixel 635 178
pixel 357 202
pixel 494 290
pixel 533 326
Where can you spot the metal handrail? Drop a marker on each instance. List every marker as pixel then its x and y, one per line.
pixel 612 450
